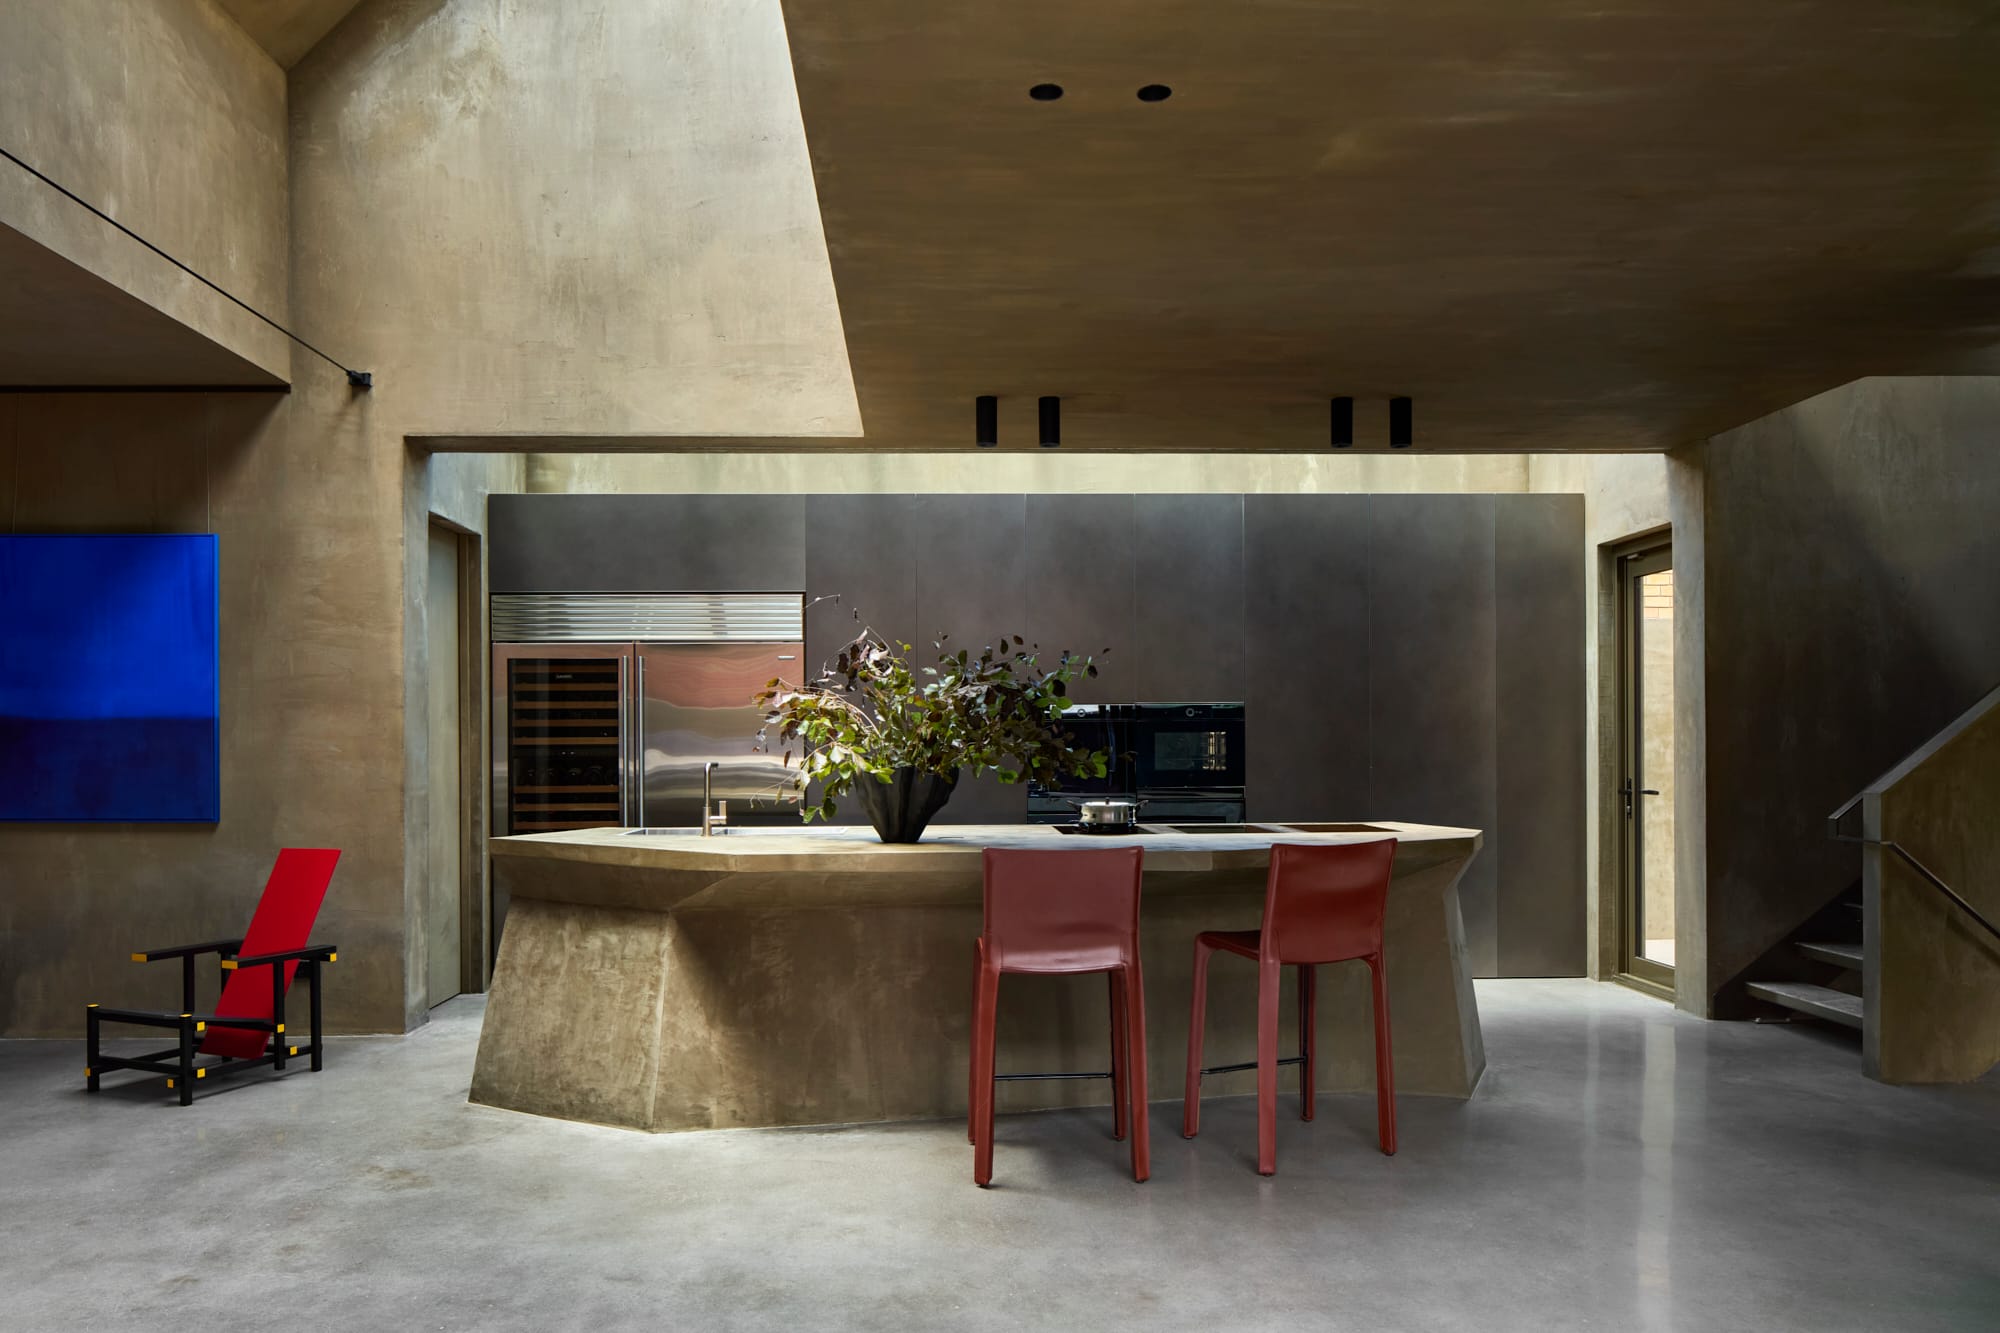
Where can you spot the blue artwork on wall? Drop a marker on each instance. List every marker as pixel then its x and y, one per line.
pixel 108 679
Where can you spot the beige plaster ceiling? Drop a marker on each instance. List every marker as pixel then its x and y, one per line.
pixel 288 28
pixel 1557 225
pixel 63 326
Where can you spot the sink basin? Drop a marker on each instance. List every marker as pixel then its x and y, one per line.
pixel 1337 828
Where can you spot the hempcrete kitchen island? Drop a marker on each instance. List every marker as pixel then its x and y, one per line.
pixel 664 981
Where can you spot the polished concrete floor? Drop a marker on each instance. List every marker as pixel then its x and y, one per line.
pixel 1622 1167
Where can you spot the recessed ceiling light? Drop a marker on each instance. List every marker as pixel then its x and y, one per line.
pixel 1155 92
pixel 1045 92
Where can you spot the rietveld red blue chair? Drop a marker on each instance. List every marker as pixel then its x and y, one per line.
pixel 247 1028
pixel 1052 913
pixel 1322 904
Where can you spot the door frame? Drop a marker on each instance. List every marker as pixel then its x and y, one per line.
pixel 469 814
pixel 475 969
pixel 1631 561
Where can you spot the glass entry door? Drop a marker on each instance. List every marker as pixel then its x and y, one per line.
pixel 1646 779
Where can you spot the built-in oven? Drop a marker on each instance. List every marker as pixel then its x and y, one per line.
pixel 1183 760
pixel 1187 761
pixel 1182 747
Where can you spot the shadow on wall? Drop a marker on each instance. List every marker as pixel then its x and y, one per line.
pixel 1852 610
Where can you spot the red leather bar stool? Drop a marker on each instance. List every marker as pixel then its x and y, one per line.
pixel 1057 912
pixel 1322 904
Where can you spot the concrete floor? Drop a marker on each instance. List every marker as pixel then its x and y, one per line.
pixel 1622 1167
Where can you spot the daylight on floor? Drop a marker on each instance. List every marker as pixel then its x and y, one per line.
pixel 1290 664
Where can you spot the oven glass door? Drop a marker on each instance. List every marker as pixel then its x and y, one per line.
pixel 1188 749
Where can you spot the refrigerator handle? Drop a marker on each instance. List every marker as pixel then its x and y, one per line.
pixel 624 730
pixel 636 769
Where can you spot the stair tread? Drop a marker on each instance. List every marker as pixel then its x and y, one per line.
pixel 1819 1001
pixel 1832 951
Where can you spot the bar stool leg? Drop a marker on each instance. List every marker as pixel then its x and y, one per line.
pixel 1308 1021
pixel 972 1056
pixel 1385 1064
pixel 1197 1020
pixel 1119 1101
pixel 984 1013
pixel 1135 1063
pixel 1268 973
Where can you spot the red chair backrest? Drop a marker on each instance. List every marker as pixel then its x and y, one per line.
pixel 1063 911
pixel 1325 902
pixel 283 920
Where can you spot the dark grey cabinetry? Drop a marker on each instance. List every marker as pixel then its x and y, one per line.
pixel 1188 617
pixel 1433 711
pixel 1080 589
pixel 862 549
pixel 1540 747
pixel 646 543
pixel 1305 610
pixel 972 585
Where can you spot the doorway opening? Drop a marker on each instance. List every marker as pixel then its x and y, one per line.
pixel 1647 931
pixel 453 900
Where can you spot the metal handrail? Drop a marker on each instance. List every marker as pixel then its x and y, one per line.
pixel 1930 876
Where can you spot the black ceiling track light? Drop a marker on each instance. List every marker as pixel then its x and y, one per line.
pixel 1401 433
pixel 1051 412
pixel 1342 433
pixel 1155 92
pixel 986 421
pixel 1046 92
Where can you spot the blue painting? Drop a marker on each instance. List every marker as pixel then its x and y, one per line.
pixel 108 679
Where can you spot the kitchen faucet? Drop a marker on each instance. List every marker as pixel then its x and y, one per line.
pixel 713 817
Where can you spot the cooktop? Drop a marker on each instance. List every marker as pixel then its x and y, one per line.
pixel 1092 831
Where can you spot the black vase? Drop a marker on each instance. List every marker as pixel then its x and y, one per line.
pixel 901 807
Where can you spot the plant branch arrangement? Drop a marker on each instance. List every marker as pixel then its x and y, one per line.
pixel 899 736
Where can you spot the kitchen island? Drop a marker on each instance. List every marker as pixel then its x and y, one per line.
pixel 661 980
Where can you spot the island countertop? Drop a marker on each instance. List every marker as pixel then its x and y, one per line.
pixel 846 866
pixel 812 975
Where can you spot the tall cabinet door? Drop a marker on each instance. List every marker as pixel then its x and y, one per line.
pixel 1188 628
pixel 1306 580
pixel 972 586
pixel 861 550
pixel 1080 568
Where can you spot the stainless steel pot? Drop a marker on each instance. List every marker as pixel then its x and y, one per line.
pixel 1108 812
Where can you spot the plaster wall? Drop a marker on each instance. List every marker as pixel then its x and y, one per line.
pixel 310 735
pixel 167 116
pixel 584 218
pixel 1851 608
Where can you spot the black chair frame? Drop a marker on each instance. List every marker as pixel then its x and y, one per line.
pixel 177 1063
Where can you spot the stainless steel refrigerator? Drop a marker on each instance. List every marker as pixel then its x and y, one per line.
pixel 609 734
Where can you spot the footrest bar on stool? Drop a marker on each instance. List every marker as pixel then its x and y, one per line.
pixel 1234 1069
pixel 1009 1078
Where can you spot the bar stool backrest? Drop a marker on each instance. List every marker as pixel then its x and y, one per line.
pixel 1062 911
pixel 1325 902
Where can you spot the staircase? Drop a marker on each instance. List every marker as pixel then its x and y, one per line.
pixel 1835 996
